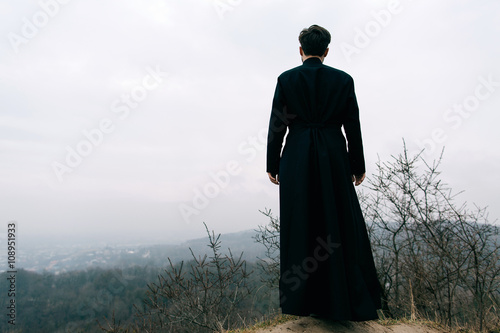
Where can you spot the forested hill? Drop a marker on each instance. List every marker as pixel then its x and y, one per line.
pixel 70 294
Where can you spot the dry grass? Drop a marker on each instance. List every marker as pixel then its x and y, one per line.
pixel 387 322
pixel 421 322
pixel 281 319
pixel 272 322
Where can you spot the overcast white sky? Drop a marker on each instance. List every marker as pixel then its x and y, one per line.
pixel 156 97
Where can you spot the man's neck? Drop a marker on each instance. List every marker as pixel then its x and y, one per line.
pixel 305 57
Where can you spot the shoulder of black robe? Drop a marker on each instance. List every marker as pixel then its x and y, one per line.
pixel 278 123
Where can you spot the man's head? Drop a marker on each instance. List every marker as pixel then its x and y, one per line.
pixel 314 41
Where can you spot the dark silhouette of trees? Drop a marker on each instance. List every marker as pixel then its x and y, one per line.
pixel 435 259
pixel 269 236
pixel 205 295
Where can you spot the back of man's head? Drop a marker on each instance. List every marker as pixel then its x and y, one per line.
pixel 314 40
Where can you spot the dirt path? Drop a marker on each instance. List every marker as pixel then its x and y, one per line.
pixel 314 325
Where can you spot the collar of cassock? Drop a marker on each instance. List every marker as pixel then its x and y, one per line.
pixel 312 61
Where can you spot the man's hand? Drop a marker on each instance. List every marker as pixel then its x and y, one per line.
pixel 358 179
pixel 273 179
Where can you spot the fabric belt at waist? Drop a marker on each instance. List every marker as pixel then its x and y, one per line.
pixel 302 125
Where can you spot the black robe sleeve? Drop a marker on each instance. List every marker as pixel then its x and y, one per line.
pixel 352 130
pixel 277 130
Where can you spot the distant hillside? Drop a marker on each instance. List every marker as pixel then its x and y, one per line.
pixel 238 242
pixel 65 259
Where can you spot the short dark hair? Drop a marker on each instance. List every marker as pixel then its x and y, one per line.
pixel 314 40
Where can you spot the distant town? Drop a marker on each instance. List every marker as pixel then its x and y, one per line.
pixel 60 259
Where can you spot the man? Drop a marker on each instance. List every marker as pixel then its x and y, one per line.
pixel 327 266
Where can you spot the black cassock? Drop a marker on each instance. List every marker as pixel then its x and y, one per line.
pixel 326 261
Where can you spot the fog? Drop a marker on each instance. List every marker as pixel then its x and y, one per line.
pixel 134 120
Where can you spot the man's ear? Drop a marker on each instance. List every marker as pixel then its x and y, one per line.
pixel 301 51
pixel 326 52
